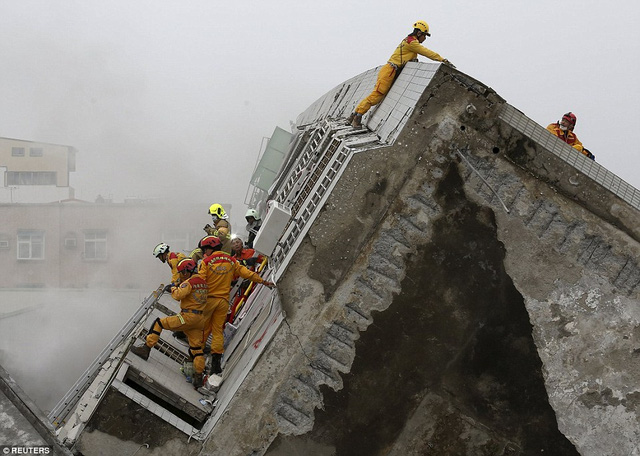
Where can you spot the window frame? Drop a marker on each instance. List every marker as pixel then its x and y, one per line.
pixel 91 238
pixel 30 177
pixel 21 243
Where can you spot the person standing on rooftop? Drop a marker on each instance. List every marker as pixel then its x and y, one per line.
pixel 407 51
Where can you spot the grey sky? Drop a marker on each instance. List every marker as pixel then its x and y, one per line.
pixel 175 96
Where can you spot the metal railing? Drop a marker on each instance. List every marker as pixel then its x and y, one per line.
pixel 69 401
pixel 565 152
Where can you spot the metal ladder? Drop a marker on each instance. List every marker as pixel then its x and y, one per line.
pixel 69 401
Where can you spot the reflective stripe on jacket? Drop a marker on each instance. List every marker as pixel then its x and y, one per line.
pixel 219 269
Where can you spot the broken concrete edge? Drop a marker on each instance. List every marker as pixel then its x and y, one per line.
pixel 571 182
pixel 569 342
pixel 30 411
pixel 323 365
pixel 300 359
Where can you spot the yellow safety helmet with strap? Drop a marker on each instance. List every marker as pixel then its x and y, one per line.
pixel 423 27
pixel 218 211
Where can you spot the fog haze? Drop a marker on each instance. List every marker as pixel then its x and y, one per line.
pixel 175 97
pixel 49 338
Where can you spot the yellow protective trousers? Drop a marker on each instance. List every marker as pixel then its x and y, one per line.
pixel 386 76
pixel 217 309
pixel 191 324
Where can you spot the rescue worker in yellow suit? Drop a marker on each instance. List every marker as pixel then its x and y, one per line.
pixel 407 50
pixel 163 253
pixel 219 269
pixel 563 129
pixel 192 294
pixel 221 229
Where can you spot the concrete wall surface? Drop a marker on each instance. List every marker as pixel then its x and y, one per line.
pixel 463 290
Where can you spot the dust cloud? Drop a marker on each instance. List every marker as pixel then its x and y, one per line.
pixel 48 338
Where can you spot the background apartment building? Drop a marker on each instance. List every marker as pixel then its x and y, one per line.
pixel 75 244
pixel 50 239
pixel 34 171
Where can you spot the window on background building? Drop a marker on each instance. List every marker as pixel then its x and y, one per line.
pixel 31 178
pixel 30 245
pixel 95 245
pixel 70 241
pixel 17 151
pixel 35 152
pixel 178 241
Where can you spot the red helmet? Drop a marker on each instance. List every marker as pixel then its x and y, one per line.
pixel 571 118
pixel 210 241
pixel 188 265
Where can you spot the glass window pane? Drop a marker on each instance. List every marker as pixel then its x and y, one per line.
pixel 95 245
pixel 30 245
pixel 23 251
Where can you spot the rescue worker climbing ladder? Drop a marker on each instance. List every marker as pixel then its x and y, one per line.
pixel 192 294
pixel 250 259
pixel 163 253
pixel 221 227
pixel 219 269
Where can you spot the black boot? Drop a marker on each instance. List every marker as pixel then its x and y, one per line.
pixel 357 121
pixel 142 351
pixel 198 380
pixel 216 359
pixel 350 119
pixel 180 336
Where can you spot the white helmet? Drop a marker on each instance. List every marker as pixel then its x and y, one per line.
pixel 252 213
pixel 160 249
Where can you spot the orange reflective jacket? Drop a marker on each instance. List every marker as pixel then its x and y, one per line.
pixel 192 293
pixel 219 269
pixel 172 260
pixel 567 136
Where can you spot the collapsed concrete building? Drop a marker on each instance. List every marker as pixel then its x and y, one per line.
pixel 452 279
pixel 469 286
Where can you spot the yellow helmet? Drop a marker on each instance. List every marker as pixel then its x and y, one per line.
pixel 218 211
pixel 423 27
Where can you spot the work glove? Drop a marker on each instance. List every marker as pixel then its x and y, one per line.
pixel 446 62
pixel 167 288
